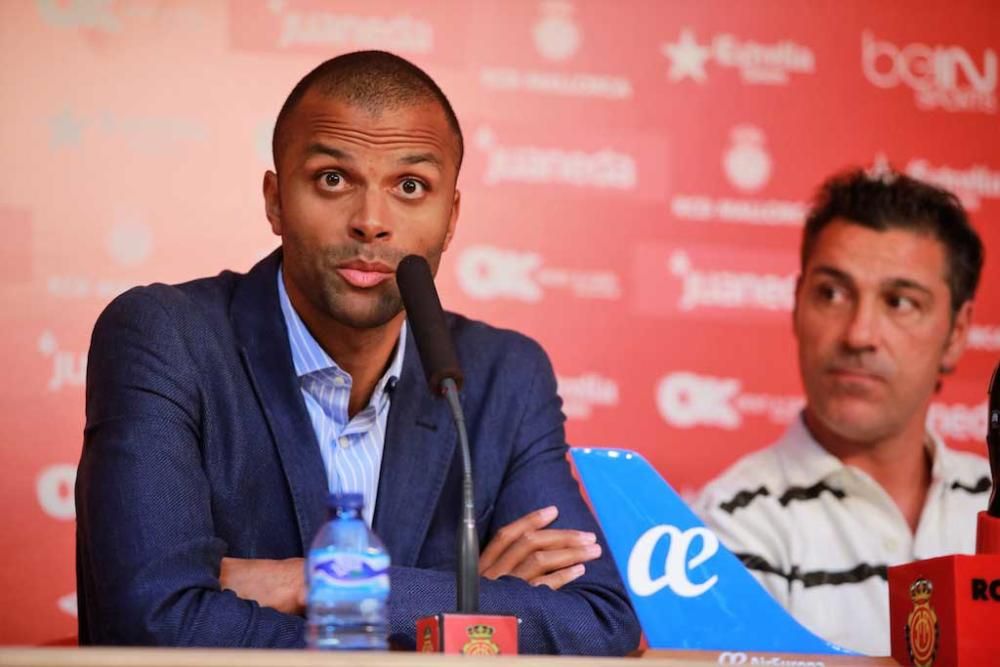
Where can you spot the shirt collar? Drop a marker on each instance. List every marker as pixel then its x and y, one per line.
pixel 308 356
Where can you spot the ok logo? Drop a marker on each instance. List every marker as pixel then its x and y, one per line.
pixel 485 272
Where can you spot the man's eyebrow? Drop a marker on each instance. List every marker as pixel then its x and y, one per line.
pixel 832 272
pixel 907 283
pixel 418 158
pixel 323 149
pixel 890 283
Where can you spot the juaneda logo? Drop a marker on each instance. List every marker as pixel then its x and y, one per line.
pixel 949 78
pixel 922 625
pixel 69 369
pixel 602 169
pixel 688 549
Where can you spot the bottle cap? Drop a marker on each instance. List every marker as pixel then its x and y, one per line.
pixel 347 501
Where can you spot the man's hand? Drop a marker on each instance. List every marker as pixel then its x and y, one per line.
pixel 527 550
pixel 279 584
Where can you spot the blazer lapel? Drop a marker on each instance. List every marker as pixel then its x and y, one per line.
pixel 260 327
pixel 419 447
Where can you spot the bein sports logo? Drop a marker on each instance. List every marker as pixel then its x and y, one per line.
pixel 679 561
pixel 686 400
pixel 942 77
pixel 487 272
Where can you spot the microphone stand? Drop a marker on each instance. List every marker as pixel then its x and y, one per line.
pixel 467 577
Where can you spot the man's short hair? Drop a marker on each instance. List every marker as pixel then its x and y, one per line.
pixel 372 80
pixel 883 200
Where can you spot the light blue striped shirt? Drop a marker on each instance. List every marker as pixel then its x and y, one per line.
pixel 351 448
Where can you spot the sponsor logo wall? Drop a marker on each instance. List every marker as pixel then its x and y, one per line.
pixel 635 182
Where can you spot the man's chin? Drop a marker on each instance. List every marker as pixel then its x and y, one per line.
pixel 364 315
pixel 854 419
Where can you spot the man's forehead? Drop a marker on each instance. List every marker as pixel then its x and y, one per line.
pixel 418 122
pixel 873 255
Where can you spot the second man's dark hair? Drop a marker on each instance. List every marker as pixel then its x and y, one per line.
pixel 885 199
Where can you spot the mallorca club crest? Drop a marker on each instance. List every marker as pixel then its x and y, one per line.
pixel 922 625
pixel 480 640
pixel 427 646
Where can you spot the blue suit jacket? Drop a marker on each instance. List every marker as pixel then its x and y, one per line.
pixel 198 446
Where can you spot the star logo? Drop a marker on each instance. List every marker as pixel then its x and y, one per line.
pixel 687 57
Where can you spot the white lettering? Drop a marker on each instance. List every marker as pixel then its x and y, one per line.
pixel 401 33
pixel 687 400
pixel 678 561
pixel 941 77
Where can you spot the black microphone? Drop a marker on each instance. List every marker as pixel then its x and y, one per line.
pixel 993 441
pixel 426 322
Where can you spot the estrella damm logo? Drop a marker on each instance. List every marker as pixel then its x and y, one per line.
pixel 480 640
pixel 922 629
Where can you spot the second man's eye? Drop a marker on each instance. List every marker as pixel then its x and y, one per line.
pixel 332 179
pixel 411 187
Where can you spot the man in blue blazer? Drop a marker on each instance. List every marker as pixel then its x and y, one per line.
pixel 208 451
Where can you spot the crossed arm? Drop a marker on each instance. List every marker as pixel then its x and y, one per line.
pixel 524 549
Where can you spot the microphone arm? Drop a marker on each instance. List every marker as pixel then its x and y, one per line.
pixel 467 581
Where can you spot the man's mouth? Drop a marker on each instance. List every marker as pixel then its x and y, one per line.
pixel 855 375
pixel 363 275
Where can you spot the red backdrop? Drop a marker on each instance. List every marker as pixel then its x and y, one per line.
pixel 633 192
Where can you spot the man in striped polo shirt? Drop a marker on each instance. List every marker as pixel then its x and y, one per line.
pixel 883 305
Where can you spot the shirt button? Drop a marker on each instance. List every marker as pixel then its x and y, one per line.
pixel 890 544
pixel 338 380
pixel 344 442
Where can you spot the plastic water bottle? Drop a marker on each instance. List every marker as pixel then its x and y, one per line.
pixel 348 577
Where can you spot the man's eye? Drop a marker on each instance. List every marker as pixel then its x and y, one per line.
pixel 830 293
pixel 331 180
pixel 901 304
pixel 412 188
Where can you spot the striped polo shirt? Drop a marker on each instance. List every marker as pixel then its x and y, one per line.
pixel 351 448
pixel 820 535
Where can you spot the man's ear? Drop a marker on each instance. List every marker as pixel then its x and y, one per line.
pixel 456 206
pixel 957 338
pixel 272 201
pixel 795 306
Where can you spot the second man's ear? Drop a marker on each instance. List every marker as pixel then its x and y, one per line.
pixel 272 201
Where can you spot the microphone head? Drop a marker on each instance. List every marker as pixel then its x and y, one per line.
pixel 426 322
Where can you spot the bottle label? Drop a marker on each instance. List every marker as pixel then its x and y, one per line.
pixel 362 573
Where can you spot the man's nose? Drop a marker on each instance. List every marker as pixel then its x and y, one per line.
pixel 863 327
pixel 370 221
